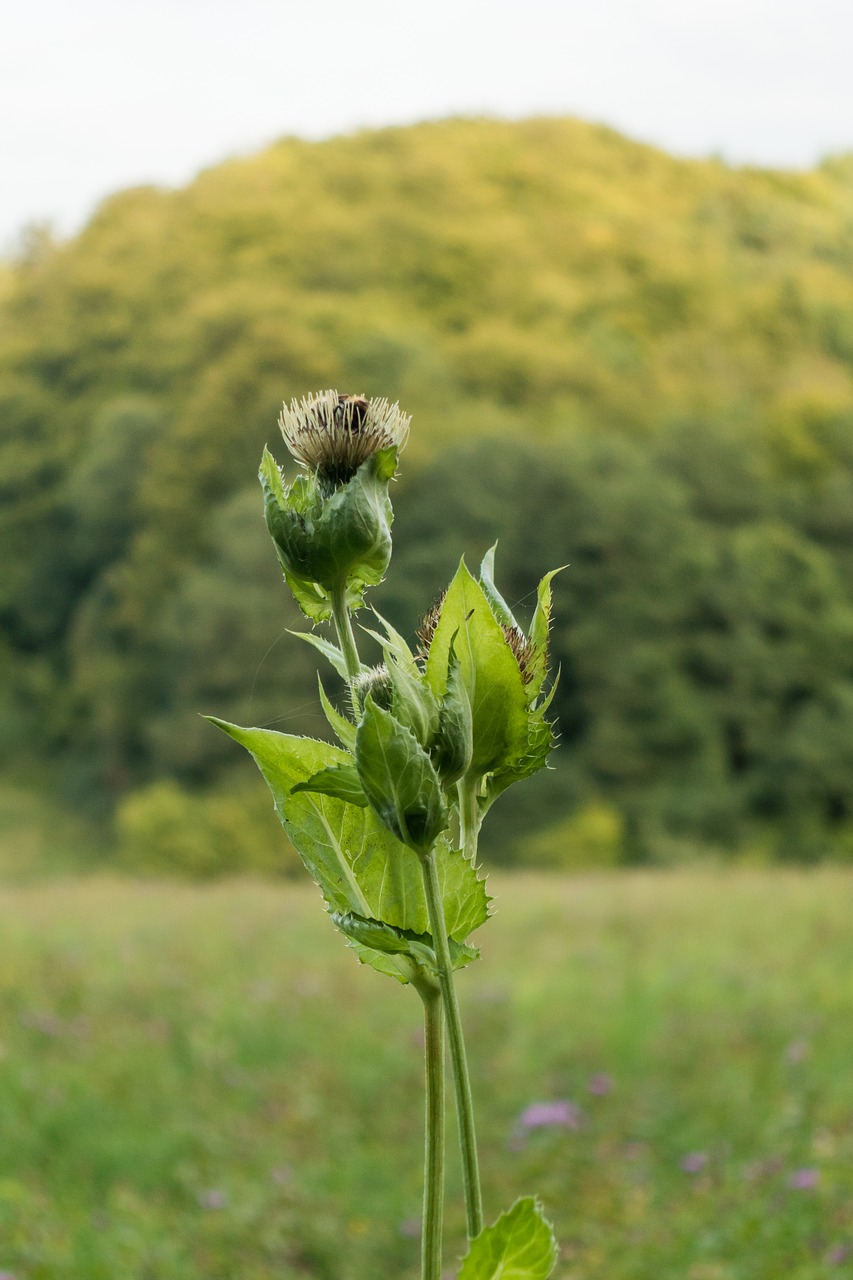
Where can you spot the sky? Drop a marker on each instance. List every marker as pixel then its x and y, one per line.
pixel 96 95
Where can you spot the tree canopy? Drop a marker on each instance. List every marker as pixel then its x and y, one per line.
pixel 638 365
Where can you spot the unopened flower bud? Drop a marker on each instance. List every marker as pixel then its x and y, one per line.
pixel 332 526
pixel 373 683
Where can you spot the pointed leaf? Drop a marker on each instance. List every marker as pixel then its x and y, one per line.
pixel 399 779
pixel 489 671
pixel 340 780
pixel 344 729
pixel 329 651
pixel 500 608
pixel 377 936
pixel 453 745
pixel 394 641
pixel 414 702
pixel 539 632
pixel 520 1246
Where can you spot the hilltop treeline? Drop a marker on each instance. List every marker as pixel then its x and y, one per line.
pixel 639 366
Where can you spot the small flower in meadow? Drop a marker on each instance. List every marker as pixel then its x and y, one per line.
pixel 695 1162
pixel 600 1085
pixel 543 1115
pixel 804 1179
pixel 212 1199
pixel 333 435
pixel 410 1228
pixel 839 1253
pixel 797 1051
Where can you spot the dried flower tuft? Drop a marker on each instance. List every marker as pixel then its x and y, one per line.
pixel 333 435
pixel 523 650
pixel 428 624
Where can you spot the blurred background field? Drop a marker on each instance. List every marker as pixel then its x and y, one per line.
pixel 199 1083
pixel 635 365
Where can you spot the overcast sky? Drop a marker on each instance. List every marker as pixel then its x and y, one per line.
pixel 96 95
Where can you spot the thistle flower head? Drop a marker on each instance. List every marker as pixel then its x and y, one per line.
pixel 373 683
pixel 333 435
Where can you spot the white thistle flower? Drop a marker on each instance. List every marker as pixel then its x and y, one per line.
pixel 333 434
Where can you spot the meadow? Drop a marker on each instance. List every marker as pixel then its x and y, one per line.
pixel 198 1081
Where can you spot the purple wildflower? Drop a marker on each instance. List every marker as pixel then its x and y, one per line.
pixel 838 1254
pixel 797 1051
pixel 212 1199
pixel 804 1179
pixel 695 1162
pixel 543 1115
pixel 600 1084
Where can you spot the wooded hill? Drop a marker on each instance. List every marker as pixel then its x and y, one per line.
pixel 637 365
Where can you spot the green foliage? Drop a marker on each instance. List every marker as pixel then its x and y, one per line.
pixel 163 830
pixel 364 872
pixel 488 670
pixel 519 1246
pixel 400 783
pixel 636 365
pixel 590 838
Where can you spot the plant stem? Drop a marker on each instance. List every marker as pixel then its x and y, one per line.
pixel 434 1133
pixel 469 818
pixel 461 1081
pixel 346 640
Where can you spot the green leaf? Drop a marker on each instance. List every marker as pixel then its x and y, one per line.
pixel 488 669
pixel 540 743
pixel 340 780
pixel 329 651
pixel 539 632
pixel 399 779
pixel 344 729
pixel 414 702
pixel 453 745
pixel 466 903
pixel 359 865
pixel 393 640
pixel 520 1246
pixel 500 608
pixel 377 936
pixel 314 602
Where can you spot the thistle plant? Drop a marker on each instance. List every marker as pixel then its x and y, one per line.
pixel 387 822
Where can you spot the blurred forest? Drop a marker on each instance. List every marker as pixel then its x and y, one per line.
pixel 637 366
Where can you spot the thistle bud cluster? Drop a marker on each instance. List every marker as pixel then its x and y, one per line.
pixel 332 525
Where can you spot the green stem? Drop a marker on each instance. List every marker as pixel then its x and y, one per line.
pixel 461 1081
pixel 469 817
pixel 434 1133
pixel 346 639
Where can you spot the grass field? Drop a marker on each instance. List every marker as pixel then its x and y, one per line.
pixel 201 1082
